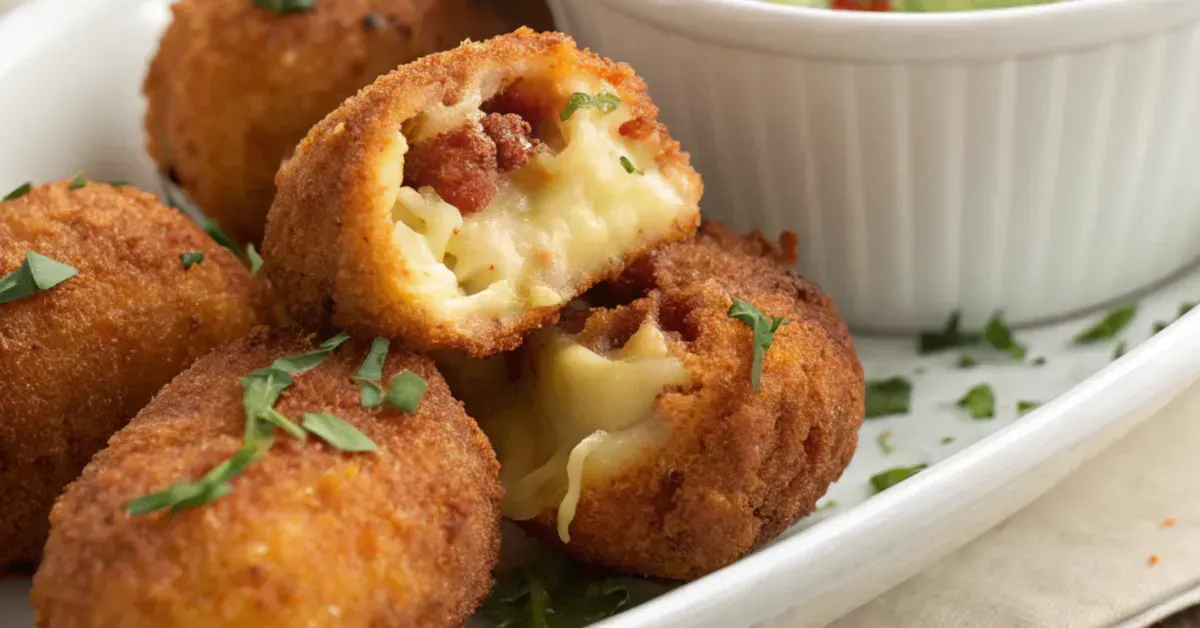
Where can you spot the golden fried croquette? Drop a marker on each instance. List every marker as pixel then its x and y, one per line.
pixel 79 360
pixel 633 436
pixel 235 86
pixel 309 536
pixel 465 198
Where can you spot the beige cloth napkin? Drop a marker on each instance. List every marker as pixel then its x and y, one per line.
pixel 1080 556
pixel 1118 536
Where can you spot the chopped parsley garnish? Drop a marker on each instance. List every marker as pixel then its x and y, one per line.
pixel 338 433
pixel 1024 407
pixel 946 440
pixel 261 389
pixel 37 274
pixel 1185 307
pixel 829 505
pixel 118 183
pixel 605 102
pixel 1109 326
pixel 763 328
pixel 256 261
pixel 405 391
pixel 1038 361
pixel 214 485
pixel 21 190
pixel 1159 326
pixel 78 182
pixel 214 231
pixel 286 6
pixel 191 258
pixel 1119 350
pixel 980 401
pixel 368 375
pixel 1000 337
pixel 628 166
pixel 887 479
pixel 948 338
pixel 965 361
pixel 887 397
pixel 558 593
pixel 885 442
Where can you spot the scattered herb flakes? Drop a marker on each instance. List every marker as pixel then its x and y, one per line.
pixel 1024 407
pixel 118 183
pixel 286 6
pixel 368 375
pixel 78 182
pixel 296 364
pixel 605 102
pixel 37 274
pixel 1039 361
pixel 21 190
pixel 763 328
pixel 256 261
pixel 887 397
pixel 1109 326
pixel 1000 337
pixel 980 401
pixel 214 231
pixel 965 361
pixel 947 338
pixel 887 479
pixel 405 391
pixel 191 258
pixel 885 442
pixel 559 593
pixel 1185 307
pixel 628 166
pixel 946 440
pixel 829 505
pixel 337 432
pixel 1119 350
pixel 260 391
pixel 1159 326
pixel 214 484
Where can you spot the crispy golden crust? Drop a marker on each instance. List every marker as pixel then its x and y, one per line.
pixel 79 360
pixel 406 536
pixel 329 234
pixel 741 465
pixel 235 87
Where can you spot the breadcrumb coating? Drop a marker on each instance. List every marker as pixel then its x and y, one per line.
pixel 79 360
pixel 309 536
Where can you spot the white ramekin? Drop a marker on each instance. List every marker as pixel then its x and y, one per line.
pixel 1039 161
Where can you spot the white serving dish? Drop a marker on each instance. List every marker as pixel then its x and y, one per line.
pixel 71 70
pixel 1034 159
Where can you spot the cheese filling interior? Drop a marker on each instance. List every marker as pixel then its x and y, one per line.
pixel 574 417
pixel 568 213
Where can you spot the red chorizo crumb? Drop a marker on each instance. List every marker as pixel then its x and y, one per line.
pixel 513 138
pixel 460 164
pixel 637 128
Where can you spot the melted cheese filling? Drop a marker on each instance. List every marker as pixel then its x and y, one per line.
pixel 574 417
pixel 560 218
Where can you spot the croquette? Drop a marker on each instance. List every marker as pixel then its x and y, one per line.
pixel 235 85
pixel 77 361
pixel 464 199
pixel 405 535
pixel 633 437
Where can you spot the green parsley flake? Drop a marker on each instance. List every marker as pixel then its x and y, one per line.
pixel 949 338
pixel 1185 307
pixel 21 190
pixel 213 486
pixel 946 440
pixel 628 166
pixel 1109 326
pixel 1159 326
pixel 405 391
pixel 256 261
pixel 965 361
pixel 763 328
pixel 605 102
pixel 1000 337
pixel 885 442
pixel 887 479
pixel 980 401
pixel 338 433
pixel 1039 361
pixel 829 505
pixel 118 183
pixel 888 397
pixel 559 593
pixel 191 258
pixel 78 182
pixel 1119 350
pixel 37 274
pixel 286 6
pixel 370 392
pixel 1024 407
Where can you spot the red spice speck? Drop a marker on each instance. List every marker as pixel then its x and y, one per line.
pixel 1169 522
pixel 1153 560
